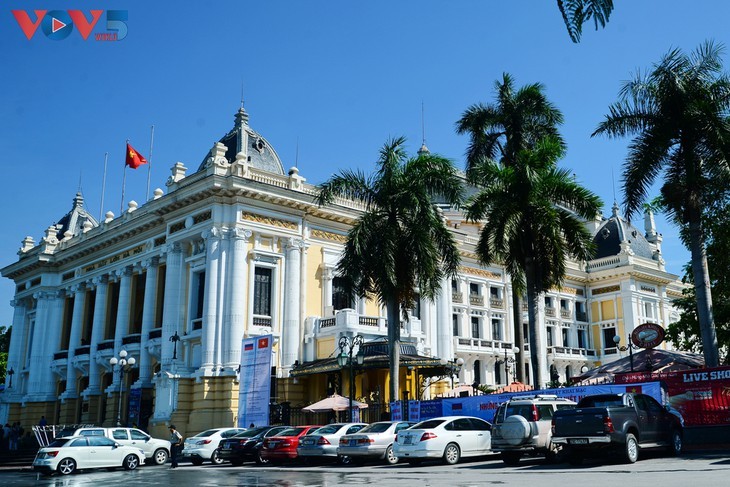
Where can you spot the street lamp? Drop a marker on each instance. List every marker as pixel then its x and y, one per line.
pixel 174 339
pixel 509 362
pixel 345 358
pixel 123 362
pixel 452 368
pixel 10 374
pixel 629 346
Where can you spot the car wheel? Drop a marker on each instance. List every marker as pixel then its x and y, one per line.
pixel 66 466
pixel 554 453
pixel 451 454
pixel 196 461
pixel 160 456
pixel 215 458
pixel 261 460
pixel 130 462
pixel 237 462
pixel 344 459
pixel 390 457
pixel 675 436
pixel 631 449
pixel 511 459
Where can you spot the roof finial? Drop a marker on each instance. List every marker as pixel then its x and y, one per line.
pixel 79 190
pixel 242 102
pixel 424 149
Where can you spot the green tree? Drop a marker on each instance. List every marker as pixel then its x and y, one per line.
pixel 498 131
pixel 577 12
pixel 533 216
pixel 678 115
pixel 4 349
pixel 400 246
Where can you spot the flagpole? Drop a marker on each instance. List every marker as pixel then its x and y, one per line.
pixel 149 163
pixel 103 187
pixel 124 179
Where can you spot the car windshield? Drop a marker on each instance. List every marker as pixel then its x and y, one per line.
pixel 206 433
pixel 601 401
pixel 327 430
pixel 291 432
pixel 375 428
pixel 250 433
pixel 428 424
pixel 58 443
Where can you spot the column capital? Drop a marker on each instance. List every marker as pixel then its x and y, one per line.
pixel 241 234
pixel 19 302
pixel 172 248
pixel 99 280
pixel 293 243
pixel 125 271
pixel 212 233
pixel 78 288
pixel 151 262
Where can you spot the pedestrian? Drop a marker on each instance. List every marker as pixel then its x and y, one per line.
pixel 176 443
pixel 43 421
pixel 14 437
pixel 6 436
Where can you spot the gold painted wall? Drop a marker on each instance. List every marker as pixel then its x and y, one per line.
pixel 325 347
pixel 595 315
pixel 607 310
pixel 313 305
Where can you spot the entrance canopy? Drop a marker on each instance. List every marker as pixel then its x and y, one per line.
pixel 333 403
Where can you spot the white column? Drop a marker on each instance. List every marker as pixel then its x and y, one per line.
pixel 148 321
pixel 444 330
pixel 74 339
pixel 234 325
pixel 97 333
pixel 210 308
pixel 171 313
pixel 292 277
pixel 37 343
pixel 15 352
pixel 123 312
pixel 51 334
pixel 327 276
pixel 221 298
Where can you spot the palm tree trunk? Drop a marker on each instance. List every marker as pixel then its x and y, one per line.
pixel 538 358
pixel 703 292
pixel 393 312
pixel 519 337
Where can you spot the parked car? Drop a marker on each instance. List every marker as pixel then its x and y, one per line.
pixel 156 451
pixel 66 455
pixel 246 446
pixel 449 438
pixel 323 442
pixel 284 445
pixel 204 445
pixel 625 423
pixel 373 442
pixel 522 426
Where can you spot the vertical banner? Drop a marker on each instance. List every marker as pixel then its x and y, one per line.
pixel 396 414
pixel 414 411
pixel 255 381
pixel 135 403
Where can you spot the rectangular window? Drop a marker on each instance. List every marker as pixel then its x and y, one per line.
pixel 494 292
pixel 526 332
pixel 496 329
pixel 198 295
pixel 608 334
pixel 548 301
pixel 582 343
pixel 341 298
pixel 454 286
pixel 564 304
pixel 565 337
pixel 416 311
pixel 475 327
pixel 262 291
pixel 580 311
pixel 455 324
pixel 473 289
pixel 549 336
pixel 649 310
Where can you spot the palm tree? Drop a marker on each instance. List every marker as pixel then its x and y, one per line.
pixel 678 115
pixel 400 247
pixel 533 215
pixel 497 132
pixel 577 12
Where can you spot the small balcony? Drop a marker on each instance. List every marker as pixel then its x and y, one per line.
pixel 496 303
pixel 565 314
pixel 457 297
pixel 349 321
pixel 550 312
pixel 476 300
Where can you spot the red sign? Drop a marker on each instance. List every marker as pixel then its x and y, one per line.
pixel 648 335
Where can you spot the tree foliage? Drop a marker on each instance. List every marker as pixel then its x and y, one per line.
pixel 4 349
pixel 577 12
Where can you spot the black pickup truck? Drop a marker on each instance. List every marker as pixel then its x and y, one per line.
pixel 622 422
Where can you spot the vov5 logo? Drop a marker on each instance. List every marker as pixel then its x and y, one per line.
pixel 58 24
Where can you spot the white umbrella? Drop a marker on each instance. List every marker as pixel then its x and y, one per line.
pixel 333 403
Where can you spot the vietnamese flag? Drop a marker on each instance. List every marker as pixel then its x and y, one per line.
pixel 134 158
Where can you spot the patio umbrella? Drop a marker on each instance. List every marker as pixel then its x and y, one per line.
pixel 333 403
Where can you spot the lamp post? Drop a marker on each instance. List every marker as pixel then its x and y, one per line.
pixel 346 358
pixel 10 374
pixel 174 339
pixel 452 368
pixel 509 362
pixel 630 346
pixel 123 362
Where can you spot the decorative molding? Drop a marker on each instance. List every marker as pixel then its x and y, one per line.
pixel 604 290
pixel 176 227
pixel 201 217
pixel 647 289
pixel 266 220
pixel 479 272
pixel 159 241
pixel 324 235
pixel 114 258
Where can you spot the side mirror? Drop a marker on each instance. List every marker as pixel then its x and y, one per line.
pixel 116 445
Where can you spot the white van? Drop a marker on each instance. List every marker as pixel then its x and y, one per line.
pixel 155 450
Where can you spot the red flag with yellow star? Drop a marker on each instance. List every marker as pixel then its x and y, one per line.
pixel 134 159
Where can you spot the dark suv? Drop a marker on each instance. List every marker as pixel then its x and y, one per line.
pixel 246 446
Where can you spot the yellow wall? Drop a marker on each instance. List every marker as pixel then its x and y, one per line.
pixel 314 305
pixel 607 310
pixel 326 347
pixel 595 316
pixel 371 307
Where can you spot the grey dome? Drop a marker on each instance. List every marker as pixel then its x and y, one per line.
pixel 615 230
pixel 74 220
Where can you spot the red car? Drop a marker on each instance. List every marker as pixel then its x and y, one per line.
pixel 284 445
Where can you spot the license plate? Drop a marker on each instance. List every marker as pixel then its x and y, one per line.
pixel 408 440
pixel 578 441
pixel 353 442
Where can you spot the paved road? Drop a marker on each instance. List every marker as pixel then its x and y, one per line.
pixel 696 469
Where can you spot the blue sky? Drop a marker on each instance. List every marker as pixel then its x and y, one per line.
pixel 338 77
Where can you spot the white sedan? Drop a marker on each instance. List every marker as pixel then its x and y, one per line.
pixel 204 445
pixel 448 438
pixel 66 455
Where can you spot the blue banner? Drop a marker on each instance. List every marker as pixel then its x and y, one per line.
pixel 255 381
pixel 486 406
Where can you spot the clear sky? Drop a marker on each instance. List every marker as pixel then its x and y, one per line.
pixel 339 77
